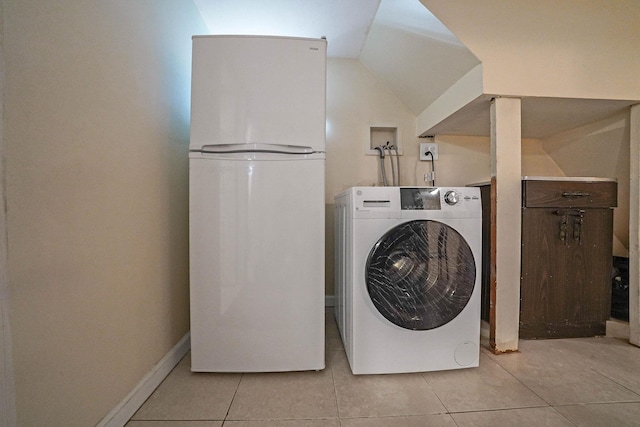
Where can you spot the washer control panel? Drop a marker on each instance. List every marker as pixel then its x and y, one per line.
pixel 413 202
pixel 427 198
pixel 420 198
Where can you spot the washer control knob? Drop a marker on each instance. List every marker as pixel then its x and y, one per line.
pixel 451 197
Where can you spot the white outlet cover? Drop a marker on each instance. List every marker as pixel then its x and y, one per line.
pixel 428 146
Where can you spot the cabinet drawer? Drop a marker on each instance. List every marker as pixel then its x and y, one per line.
pixel 569 194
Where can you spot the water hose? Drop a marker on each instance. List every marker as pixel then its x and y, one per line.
pixel 393 170
pixel 397 164
pixel 380 148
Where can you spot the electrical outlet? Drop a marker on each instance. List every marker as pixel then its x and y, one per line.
pixel 426 147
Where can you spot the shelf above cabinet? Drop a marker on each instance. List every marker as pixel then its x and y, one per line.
pixel 541 117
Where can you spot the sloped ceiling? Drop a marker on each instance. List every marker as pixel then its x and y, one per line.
pixel 411 51
pixel 399 41
pixel 571 63
pixel 416 67
pixel 414 53
pixel 345 23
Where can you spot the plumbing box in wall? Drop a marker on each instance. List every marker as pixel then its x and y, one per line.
pixel 380 135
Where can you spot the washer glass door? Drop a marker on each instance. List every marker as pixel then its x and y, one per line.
pixel 420 275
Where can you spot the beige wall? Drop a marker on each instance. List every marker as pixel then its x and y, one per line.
pixel 599 149
pixel 467 159
pixel 570 49
pixel 356 99
pixel 96 132
pixel 7 404
pixel 546 48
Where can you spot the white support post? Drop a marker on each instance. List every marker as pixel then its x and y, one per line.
pixel 634 226
pixel 506 175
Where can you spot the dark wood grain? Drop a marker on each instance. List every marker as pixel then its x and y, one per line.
pixel 565 285
pixel 565 288
pixel 569 194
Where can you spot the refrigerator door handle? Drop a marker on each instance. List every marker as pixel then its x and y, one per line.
pixel 255 148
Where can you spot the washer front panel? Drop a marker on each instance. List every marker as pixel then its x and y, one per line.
pixel 420 275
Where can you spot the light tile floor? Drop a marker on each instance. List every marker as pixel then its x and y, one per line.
pixel 568 382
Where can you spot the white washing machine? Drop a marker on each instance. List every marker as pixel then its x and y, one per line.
pixel 408 278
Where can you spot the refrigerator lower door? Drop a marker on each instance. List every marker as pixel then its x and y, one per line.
pixel 256 264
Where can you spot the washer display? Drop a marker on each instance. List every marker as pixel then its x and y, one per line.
pixel 407 278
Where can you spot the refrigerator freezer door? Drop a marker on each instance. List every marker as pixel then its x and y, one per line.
pixel 265 90
pixel 257 264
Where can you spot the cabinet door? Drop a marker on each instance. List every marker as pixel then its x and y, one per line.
pixel 566 268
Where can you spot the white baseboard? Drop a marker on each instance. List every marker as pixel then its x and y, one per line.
pixel 329 300
pixel 121 414
pixel 618 329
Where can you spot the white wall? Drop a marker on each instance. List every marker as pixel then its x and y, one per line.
pixel 96 130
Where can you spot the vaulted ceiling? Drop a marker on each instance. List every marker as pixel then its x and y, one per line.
pixel 405 46
pixel 400 41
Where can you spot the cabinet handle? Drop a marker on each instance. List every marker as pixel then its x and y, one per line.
pixel 577 229
pixel 578 215
pixel 563 228
pixel 575 194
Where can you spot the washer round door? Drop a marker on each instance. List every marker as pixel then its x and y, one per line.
pixel 420 275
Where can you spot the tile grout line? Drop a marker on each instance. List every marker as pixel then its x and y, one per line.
pixel 451 413
pixel 617 383
pixel 335 392
pixel 523 384
pixel 515 408
pixel 617 402
pixel 554 406
pixel 226 415
pixel 423 376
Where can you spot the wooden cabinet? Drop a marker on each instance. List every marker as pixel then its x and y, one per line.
pixel 566 264
pixel 567 235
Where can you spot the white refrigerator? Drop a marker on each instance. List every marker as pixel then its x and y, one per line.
pixel 256 204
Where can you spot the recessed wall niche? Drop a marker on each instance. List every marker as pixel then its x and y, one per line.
pixel 381 135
